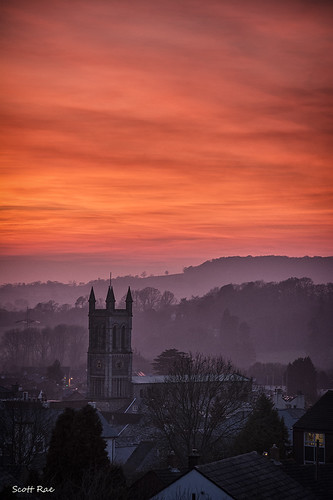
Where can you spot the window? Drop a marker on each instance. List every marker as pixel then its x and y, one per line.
pixel 123 338
pixel 98 388
pixel 114 338
pixel 314 441
pixel 117 387
pixel 102 337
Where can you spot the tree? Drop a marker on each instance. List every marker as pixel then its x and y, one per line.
pixel 24 431
pixel 193 408
pixel 263 428
pixel 267 373
pixel 77 462
pixel 167 299
pixel 54 372
pixel 301 376
pixel 165 361
pixel 82 301
pixel 235 340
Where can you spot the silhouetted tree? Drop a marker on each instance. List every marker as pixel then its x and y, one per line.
pixel 54 372
pixel 82 301
pixel 167 299
pixel 301 376
pixel 263 428
pixel 24 431
pixel 77 462
pixel 164 362
pixel 320 340
pixel 192 409
pixel 268 373
pixel 235 340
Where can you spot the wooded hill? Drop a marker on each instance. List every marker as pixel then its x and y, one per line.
pixel 194 281
pixel 236 321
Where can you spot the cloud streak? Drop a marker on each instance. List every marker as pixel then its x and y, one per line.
pixel 152 125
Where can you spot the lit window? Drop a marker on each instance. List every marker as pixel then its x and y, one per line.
pixel 314 441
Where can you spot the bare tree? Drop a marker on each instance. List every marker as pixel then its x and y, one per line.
pixel 167 299
pixel 199 405
pixel 24 431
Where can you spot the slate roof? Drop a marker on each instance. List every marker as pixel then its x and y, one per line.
pixel 122 418
pixel 153 482
pixel 139 456
pixel 252 476
pixel 108 431
pixel 75 396
pixel 321 486
pixel 320 416
pixel 161 379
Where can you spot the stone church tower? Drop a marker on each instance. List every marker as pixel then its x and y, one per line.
pixel 110 350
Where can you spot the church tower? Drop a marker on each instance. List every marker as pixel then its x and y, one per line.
pixel 110 350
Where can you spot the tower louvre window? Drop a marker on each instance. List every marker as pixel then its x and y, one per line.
pixel 114 337
pixel 123 338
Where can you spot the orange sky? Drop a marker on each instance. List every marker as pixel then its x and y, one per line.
pixel 156 134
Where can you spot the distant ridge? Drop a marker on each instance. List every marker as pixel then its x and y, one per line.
pixel 194 281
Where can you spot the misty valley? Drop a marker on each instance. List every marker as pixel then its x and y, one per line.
pixel 247 323
pixel 197 380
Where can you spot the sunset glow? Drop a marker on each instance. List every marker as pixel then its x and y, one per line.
pixel 152 135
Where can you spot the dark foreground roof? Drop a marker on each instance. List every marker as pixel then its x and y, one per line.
pixel 254 477
pixel 319 481
pixel 320 416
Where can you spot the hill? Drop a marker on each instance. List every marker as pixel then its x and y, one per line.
pixel 194 281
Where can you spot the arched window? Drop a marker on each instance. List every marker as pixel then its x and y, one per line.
pixel 123 338
pixel 94 337
pixel 114 337
pixel 102 338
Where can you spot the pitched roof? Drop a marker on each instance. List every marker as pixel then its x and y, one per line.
pixel 108 431
pixel 139 456
pixel 75 396
pixel 252 476
pixel 319 481
pixel 320 416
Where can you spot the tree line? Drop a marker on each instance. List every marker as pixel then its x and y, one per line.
pixel 235 321
pixel 41 346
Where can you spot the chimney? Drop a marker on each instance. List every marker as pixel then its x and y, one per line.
pixel 274 453
pixel 300 403
pixel 193 459
pixel 172 462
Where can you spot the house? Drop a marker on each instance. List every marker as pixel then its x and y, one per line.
pixel 290 417
pixel 248 476
pixel 285 402
pixel 314 431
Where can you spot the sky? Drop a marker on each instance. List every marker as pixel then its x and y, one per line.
pixel 151 135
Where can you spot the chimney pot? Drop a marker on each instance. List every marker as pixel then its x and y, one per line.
pixel 193 459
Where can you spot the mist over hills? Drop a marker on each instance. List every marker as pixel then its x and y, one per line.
pixel 194 281
pixel 271 309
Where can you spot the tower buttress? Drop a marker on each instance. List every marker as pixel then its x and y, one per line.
pixel 110 299
pixel 129 302
pixel 92 300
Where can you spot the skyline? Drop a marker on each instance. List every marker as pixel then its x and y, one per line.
pixel 159 135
